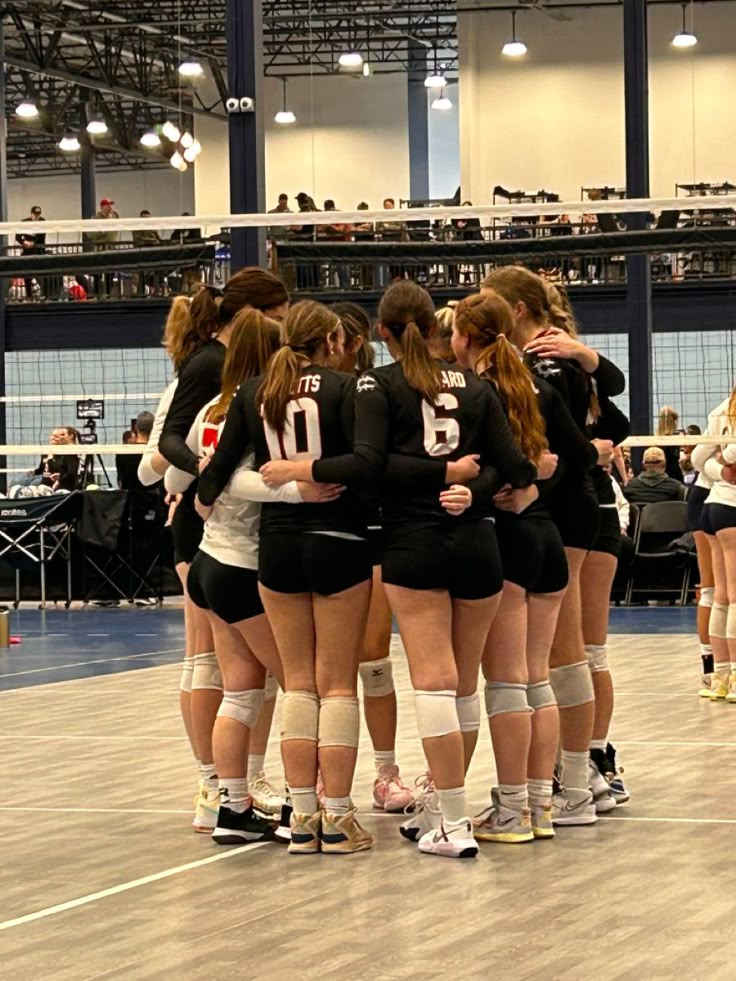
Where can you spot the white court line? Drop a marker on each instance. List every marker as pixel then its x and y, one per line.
pixel 93 810
pixel 145 635
pixel 126 886
pixel 664 820
pixel 80 664
pixel 99 635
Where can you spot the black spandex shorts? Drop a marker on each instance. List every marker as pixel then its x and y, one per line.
pixel 375 542
pixel 695 502
pixel 532 554
pixel 462 558
pixel 608 540
pixel 577 517
pixel 718 517
pixel 227 590
pixel 187 529
pixel 312 563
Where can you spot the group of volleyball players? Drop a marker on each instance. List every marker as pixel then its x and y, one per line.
pixel 461 491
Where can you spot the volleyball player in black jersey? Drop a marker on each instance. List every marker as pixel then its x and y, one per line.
pixel 314 568
pixel 390 793
pixel 520 704
pixel 199 381
pixel 575 511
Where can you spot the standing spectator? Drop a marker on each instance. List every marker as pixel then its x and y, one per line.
pixel 364 232
pixel 103 241
pixel 667 426
pixel 307 276
pixel 146 238
pixel 338 233
pixel 653 485
pixel 32 244
pixel 391 231
pixel 282 208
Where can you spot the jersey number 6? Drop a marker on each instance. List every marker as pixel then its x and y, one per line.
pixel 441 431
pixel 301 438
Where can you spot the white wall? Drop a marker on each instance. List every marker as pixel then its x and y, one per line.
pixel 555 119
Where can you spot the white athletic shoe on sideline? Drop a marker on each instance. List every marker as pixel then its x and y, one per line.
pixel 603 797
pixel 266 798
pixel 453 839
pixel 206 806
pixel 425 815
pixel 580 810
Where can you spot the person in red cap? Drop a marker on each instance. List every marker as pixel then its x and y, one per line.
pixel 105 240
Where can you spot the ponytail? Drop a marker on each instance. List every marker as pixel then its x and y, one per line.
pixel 254 339
pixel 420 370
pixel 558 317
pixel 282 377
pixel 515 387
pixel 189 325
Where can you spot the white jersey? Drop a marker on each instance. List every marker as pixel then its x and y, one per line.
pixel 704 459
pixel 146 474
pixel 231 532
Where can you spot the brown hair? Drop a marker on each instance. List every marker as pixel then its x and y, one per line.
pixel 668 420
pixel 561 313
pixel 488 321
pixel 189 325
pixel 254 340
pixel 307 328
pixel 516 284
pixel 251 287
pixel 407 311
pixel 356 323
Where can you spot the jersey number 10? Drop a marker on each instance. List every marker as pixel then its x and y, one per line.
pixel 301 438
pixel 441 431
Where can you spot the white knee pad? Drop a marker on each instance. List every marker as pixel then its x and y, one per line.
pixel 436 713
pixel 377 678
pixel 299 715
pixel 572 684
pixel 468 712
pixel 597 657
pixel 706 596
pixel 503 698
pixel 271 688
pixel 731 622
pixel 339 722
pixel 187 669
pixel 243 706
pixel 206 673
pixel 540 695
pixel 718 623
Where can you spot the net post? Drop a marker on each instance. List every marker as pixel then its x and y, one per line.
pixel 243 22
pixel 638 267
pixel 3 245
pixel 87 162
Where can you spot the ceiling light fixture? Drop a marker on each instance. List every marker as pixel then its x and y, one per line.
pixel 171 131
pixel 150 139
pixel 685 38
pixel 176 160
pixel 69 142
pixel 514 48
pixel 96 126
pixel 350 59
pixel 284 117
pixel 442 102
pixel 436 79
pixel 27 110
pixel 186 139
pixel 191 68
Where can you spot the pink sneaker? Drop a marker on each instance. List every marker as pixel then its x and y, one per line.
pixel 390 793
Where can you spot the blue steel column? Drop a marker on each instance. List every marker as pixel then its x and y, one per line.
pixel 418 123
pixel 87 163
pixel 3 245
pixel 638 267
pixel 246 129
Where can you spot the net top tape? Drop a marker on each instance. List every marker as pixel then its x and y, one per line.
pixel 490 211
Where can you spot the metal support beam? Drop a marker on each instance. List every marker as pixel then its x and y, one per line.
pixel 639 290
pixel 3 246
pixel 418 123
pixel 246 130
pixel 87 164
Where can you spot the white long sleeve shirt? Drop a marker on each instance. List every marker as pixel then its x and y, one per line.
pixel 704 459
pixel 231 532
pixel 146 474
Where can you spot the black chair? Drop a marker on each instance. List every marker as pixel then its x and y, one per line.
pixel 657 568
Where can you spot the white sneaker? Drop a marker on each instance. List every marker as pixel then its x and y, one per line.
pixel 266 798
pixel 426 815
pixel 578 810
pixel 206 806
pixel 453 839
pixel 602 796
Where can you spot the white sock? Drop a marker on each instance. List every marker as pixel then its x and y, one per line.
pixel 513 796
pixel 234 791
pixel 384 758
pixel 338 805
pixel 304 800
pixel 452 804
pixel 540 792
pixel 722 669
pixel 208 775
pixel 574 770
pixel 256 765
pixel 599 744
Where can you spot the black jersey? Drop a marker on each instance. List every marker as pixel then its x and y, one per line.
pixel 398 433
pixel 614 425
pixel 577 455
pixel 319 425
pixel 200 380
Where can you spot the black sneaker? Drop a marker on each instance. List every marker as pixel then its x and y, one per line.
pixel 234 828
pixel 599 757
pixel 282 833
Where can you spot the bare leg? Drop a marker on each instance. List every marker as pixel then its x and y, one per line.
pixel 471 622
pixel 542 612
pixel 379 711
pixel 185 697
pixel 596 580
pixel 705 569
pixel 719 643
pixel 727 542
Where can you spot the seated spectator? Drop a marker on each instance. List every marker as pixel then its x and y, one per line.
pixel 127 465
pixel 689 473
pixel 146 237
pixel 667 425
pixel 653 485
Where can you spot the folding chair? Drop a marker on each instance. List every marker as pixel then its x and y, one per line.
pixel 659 524
pixel 34 531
